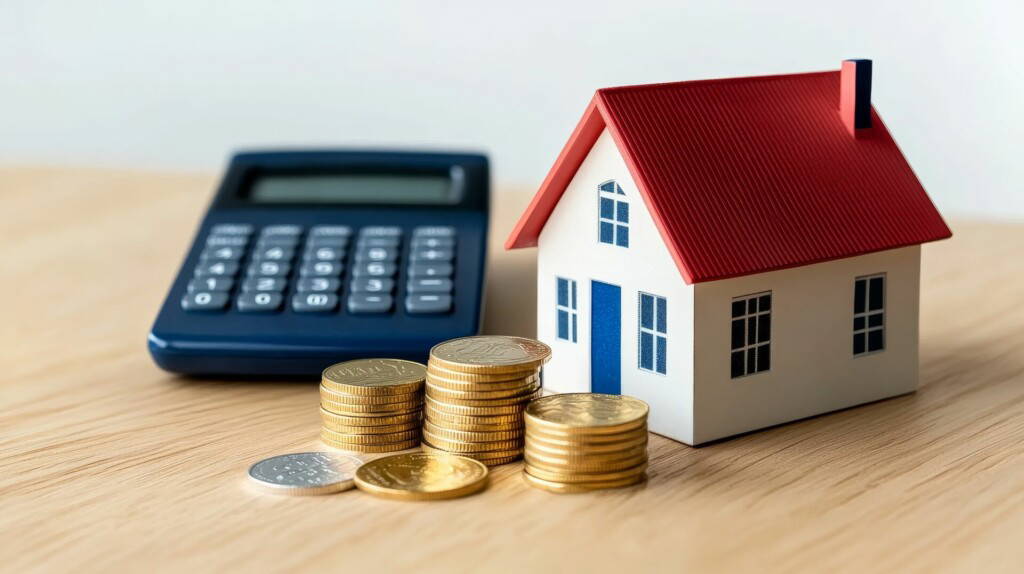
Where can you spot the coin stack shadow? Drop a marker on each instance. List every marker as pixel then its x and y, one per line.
pixel 580 442
pixel 478 414
pixel 371 418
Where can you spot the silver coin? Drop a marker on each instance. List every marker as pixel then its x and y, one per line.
pixel 306 473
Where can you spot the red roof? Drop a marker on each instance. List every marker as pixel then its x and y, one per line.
pixel 748 175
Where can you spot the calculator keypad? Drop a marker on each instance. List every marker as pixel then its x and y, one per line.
pixel 325 268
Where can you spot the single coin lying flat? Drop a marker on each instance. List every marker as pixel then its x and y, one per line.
pixel 422 476
pixel 305 473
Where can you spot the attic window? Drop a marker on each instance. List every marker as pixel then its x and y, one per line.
pixel 613 215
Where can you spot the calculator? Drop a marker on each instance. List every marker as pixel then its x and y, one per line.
pixel 308 258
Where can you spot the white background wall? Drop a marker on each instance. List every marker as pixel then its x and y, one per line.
pixel 179 84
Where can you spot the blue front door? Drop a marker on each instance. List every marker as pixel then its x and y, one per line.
pixel 605 338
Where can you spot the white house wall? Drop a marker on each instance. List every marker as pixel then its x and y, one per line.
pixel 569 248
pixel 813 369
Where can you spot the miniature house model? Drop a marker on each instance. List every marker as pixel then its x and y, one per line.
pixel 738 253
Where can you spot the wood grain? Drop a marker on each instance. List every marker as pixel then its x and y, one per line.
pixel 110 464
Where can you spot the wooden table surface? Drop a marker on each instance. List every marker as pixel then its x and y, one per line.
pixel 109 464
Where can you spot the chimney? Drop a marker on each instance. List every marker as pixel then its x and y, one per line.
pixel 855 95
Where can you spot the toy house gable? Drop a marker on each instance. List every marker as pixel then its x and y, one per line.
pixel 610 301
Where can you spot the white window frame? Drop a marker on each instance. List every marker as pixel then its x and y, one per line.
pixel 657 334
pixel 620 205
pixel 758 345
pixel 867 313
pixel 570 309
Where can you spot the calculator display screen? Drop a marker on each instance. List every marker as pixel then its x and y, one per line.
pixel 360 188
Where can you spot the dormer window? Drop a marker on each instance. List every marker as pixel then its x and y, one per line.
pixel 613 215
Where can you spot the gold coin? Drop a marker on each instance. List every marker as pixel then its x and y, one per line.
pixel 384 409
pixel 369 419
pixel 472 436
pixel 579 437
pixel 449 385
pixel 570 477
pixel 488 379
pixel 387 447
pixel 567 488
pixel 490 354
pixel 350 399
pixel 460 446
pixel 570 460
pixel 379 429
pixel 493 458
pixel 518 401
pixel 443 418
pixel 585 467
pixel 544 446
pixel 443 394
pixel 421 476
pixel 586 412
pixel 514 426
pixel 375 376
pixel 499 461
pixel 475 410
pixel 391 437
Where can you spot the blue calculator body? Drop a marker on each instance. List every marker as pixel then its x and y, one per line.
pixel 308 258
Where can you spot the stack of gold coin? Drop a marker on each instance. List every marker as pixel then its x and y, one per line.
pixel 477 389
pixel 372 405
pixel 578 442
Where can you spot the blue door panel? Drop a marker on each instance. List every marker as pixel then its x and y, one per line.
pixel 605 338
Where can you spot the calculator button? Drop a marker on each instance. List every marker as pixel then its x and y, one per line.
pixel 431 255
pixel 367 254
pixel 231 229
pixel 369 303
pixel 433 242
pixel 222 254
pixel 227 240
pixel 378 242
pixel 434 231
pixel 259 302
pixel 325 254
pixel 321 269
pixel 372 285
pixel 431 303
pixel 318 285
pixel 210 284
pixel 274 284
pixel 374 269
pixel 380 231
pixel 278 230
pixel 330 231
pixel 286 241
pixel 338 242
pixel 269 269
pixel 205 301
pixel 417 270
pixel 217 269
pixel 314 302
pixel 429 285
pixel 273 253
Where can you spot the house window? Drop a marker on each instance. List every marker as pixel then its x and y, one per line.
pixel 869 314
pixel 566 307
pixel 613 215
pixel 751 334
pixel 653 330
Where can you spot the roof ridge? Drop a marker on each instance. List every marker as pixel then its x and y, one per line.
pixel 693 83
